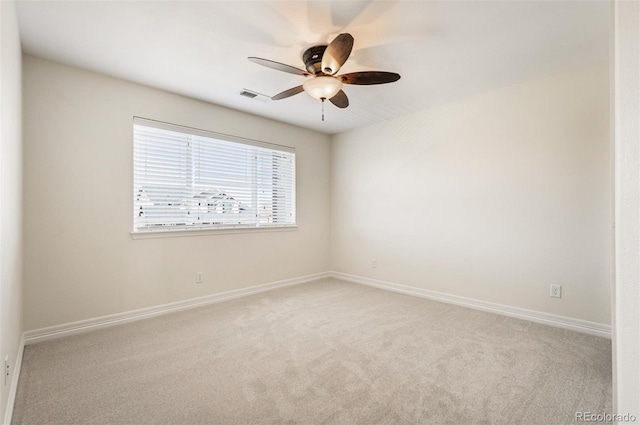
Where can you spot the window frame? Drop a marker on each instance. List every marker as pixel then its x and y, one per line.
pixel 197 230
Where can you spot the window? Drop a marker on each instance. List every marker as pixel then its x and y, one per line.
pixel 184 178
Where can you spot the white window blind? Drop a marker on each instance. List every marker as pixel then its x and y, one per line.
pixel 185 178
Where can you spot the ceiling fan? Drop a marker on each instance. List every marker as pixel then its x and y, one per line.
pixel 322 63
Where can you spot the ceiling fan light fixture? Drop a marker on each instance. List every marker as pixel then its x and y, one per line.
pixel 323 87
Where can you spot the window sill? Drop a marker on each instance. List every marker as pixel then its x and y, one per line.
pixel 175 233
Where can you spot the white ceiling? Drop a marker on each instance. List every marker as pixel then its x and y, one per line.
pixel 444 50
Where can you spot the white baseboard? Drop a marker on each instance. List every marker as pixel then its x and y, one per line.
pixel 578 325
pixel 13 389
pixel 59 331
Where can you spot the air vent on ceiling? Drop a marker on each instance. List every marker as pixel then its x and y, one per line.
pixel 247 93
pixel 254 95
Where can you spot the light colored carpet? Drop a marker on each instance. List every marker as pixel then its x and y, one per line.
pixel 327 352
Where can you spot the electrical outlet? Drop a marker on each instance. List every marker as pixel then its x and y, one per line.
pixel 199 278
pixel 6 369
pixel 374 263
pixel 556 291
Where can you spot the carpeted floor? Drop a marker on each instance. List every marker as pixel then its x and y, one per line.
pixel 327 352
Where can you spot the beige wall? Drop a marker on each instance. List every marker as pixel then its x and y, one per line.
pixel 493 198
pixel 10 193
pixel 81 261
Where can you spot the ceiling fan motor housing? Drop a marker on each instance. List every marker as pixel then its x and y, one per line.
pixel 312 58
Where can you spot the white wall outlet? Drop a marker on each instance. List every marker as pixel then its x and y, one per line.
pixel 556 291
pixel 374 263
pixel 199 277
pixel 6 369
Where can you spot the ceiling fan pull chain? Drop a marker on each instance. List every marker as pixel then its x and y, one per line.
pixel 322 108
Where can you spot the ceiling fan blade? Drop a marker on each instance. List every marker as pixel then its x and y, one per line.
pixel 288 93
pixel 340 100
pixel 337 53
pixel 366 78
pixel 278 66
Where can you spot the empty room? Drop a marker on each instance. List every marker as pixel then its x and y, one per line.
pixel 319 212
